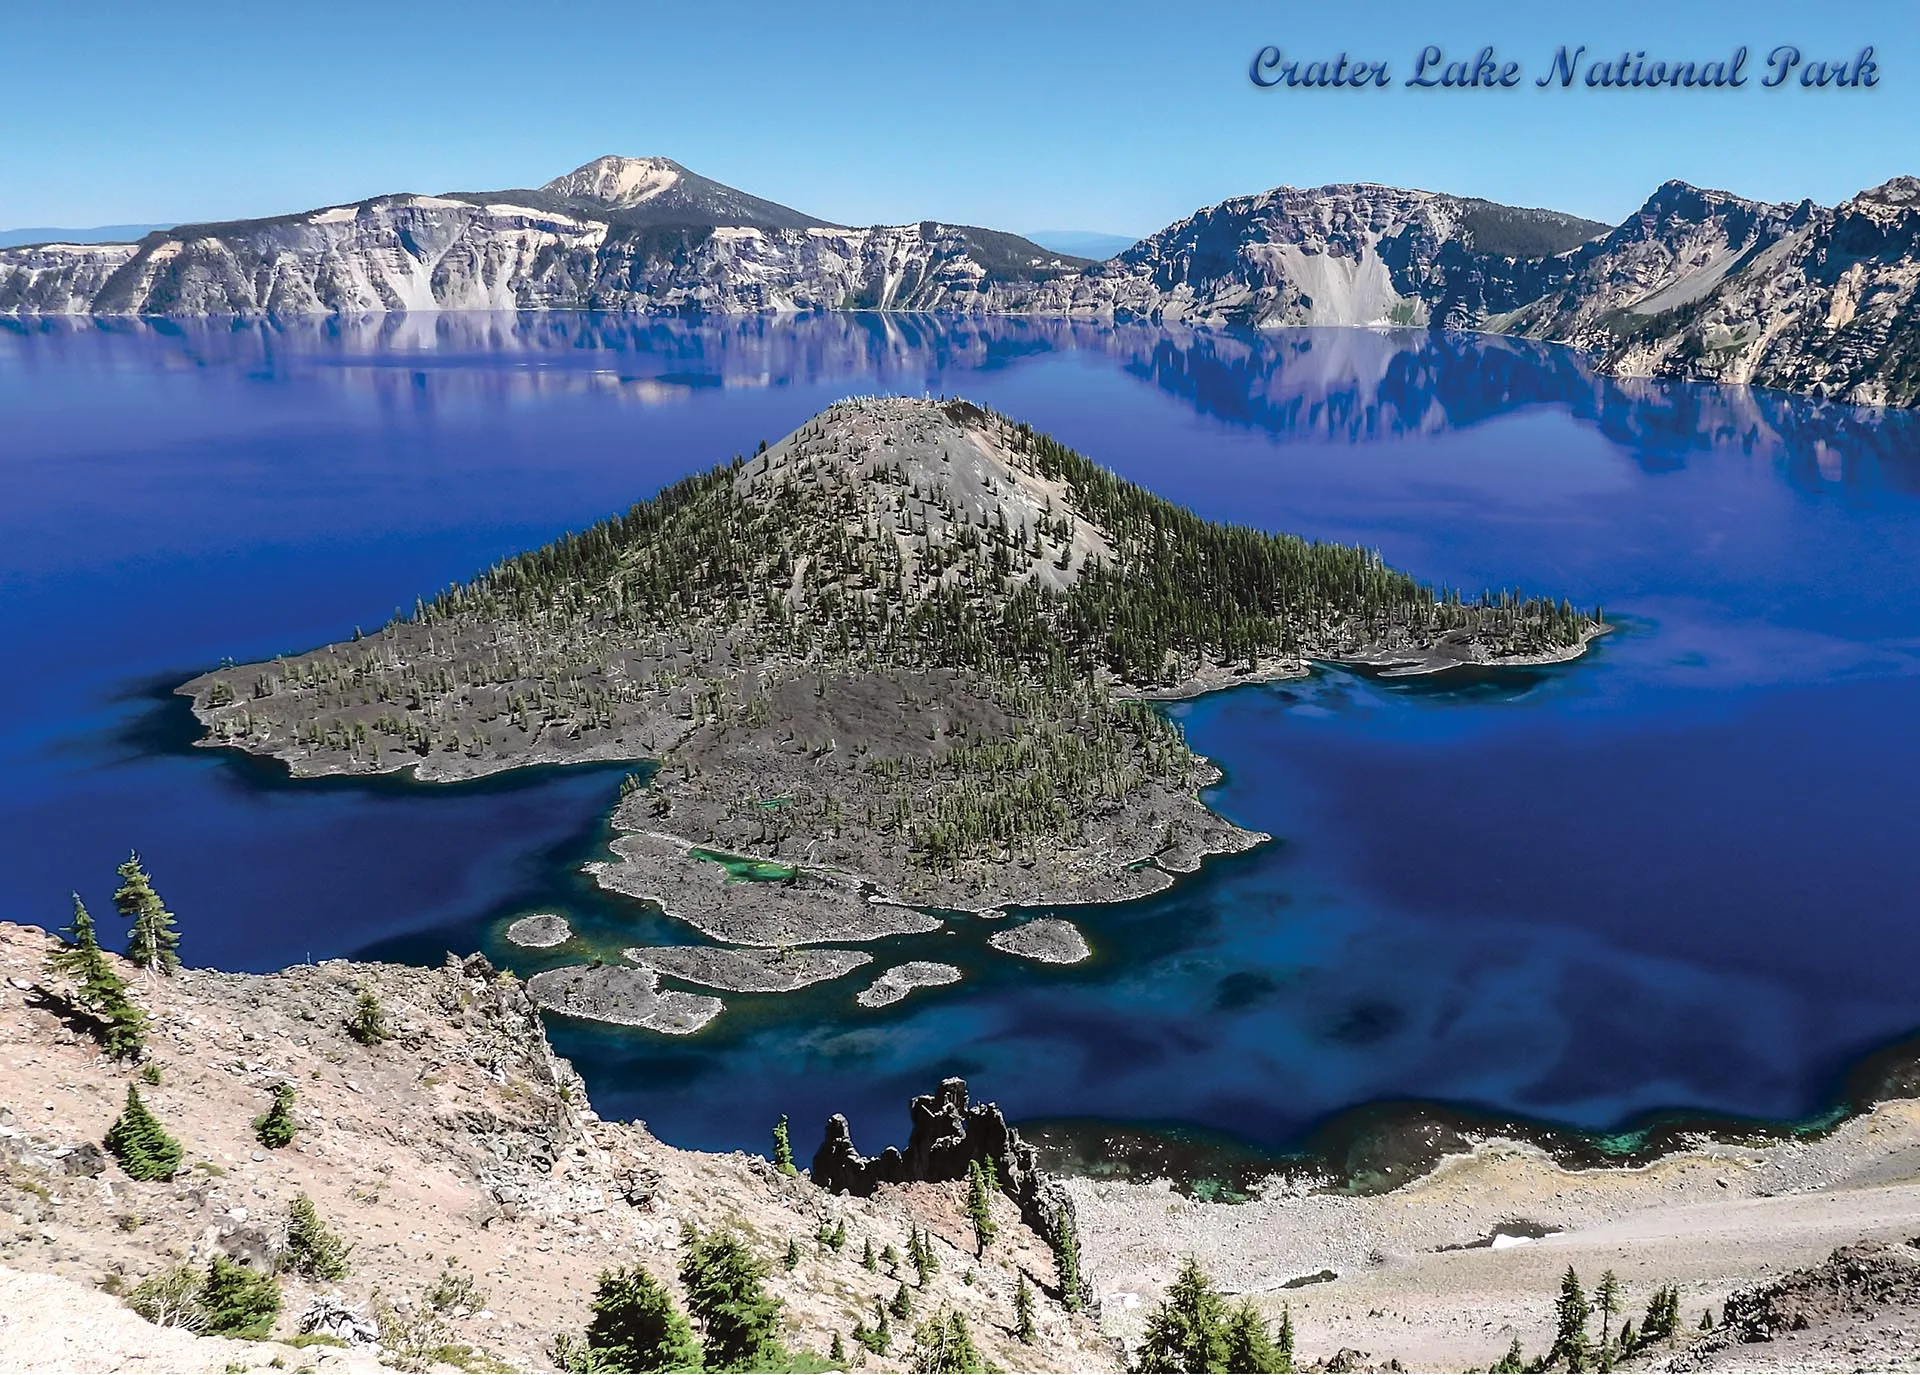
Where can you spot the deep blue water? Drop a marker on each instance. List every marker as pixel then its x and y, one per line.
pixel 1677 875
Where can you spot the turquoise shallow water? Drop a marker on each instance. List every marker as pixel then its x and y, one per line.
pixel 1677 875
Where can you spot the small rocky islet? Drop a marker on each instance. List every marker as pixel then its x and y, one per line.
pixel 1048 940
pixel 901 661
pixel 540 931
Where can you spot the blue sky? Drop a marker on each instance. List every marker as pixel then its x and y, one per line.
pixel 1119 116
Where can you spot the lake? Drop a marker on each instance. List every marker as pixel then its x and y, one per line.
pixel 1678 875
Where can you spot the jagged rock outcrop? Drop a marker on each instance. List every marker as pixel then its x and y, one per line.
pixel 948 1135
pixel 1702 284
pixel 1855 1281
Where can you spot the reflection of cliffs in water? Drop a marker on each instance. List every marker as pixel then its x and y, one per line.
pixel 1341 384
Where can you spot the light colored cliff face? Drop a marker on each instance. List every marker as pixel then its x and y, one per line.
pixel 424 253
pixel 58 279
pixel 1352 254
pixel 1284 258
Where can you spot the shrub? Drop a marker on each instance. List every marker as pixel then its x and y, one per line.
pixel 275 1128
pixel 314 1251
pixel 455 1291
pixel 368 1025
pixel 239 1302
pixel 944 1346
pixel 171 1298
pixel 141 1145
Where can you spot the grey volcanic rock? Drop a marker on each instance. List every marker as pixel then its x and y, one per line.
pixel 902 979
pixel 818 906
pixel 1048 940
pixel 749 971
pixel 947 1136
pixel 625 997
pixel 540 930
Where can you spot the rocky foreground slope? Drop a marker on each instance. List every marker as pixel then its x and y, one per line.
pixel 463 1143
pixel 1696 284
pixel 464 1147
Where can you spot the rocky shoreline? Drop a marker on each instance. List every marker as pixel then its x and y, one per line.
pixel 622 995
pixel 780 970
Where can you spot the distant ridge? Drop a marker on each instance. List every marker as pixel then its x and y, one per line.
pixel 99 233
pixel 1696 284
pixel 1085 243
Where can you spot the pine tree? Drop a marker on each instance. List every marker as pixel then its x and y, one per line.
pixel 1023 1326
pixel 1662 1317
pixel 153 943
pixel 1706 1320
pixel 891 1259
pixel 1626 1338
pixel 368 1025
pixel 944 1346
pixel 739 1320
pixel 902 1305
pixel 239 1302
pixel 1512 1363
pixel 837 1353
pixel 1606 1298
pixel 1066 1263
pixel 792 1258
pixel 118 1025
pixel 1571 1312
pixel 275 1128
pixel 782 1148
pixel 1250 1347
pixel 868 1262
pixel 314 1251
pixel 637 1326
pixel 141 1145
pixel 979 1208
pixel 1284 1337
pixel 870 1337
pixel 837 1239
pixel 1187 1329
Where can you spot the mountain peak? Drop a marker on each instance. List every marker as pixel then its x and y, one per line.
pixel 618 182
pixel 1900 191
